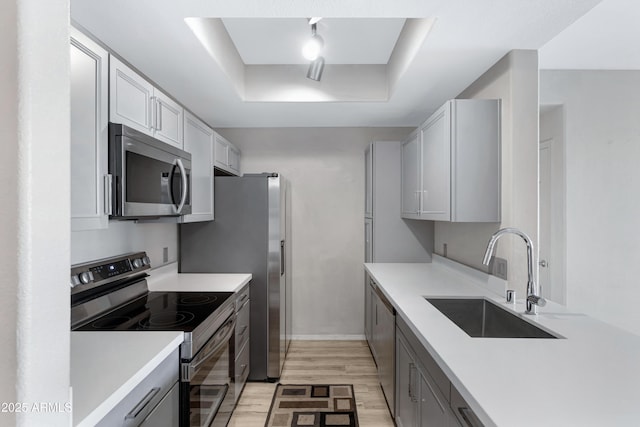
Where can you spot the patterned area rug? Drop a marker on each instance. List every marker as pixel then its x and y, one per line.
pixel 313 405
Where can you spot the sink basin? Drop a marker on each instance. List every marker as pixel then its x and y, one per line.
pixel 479 317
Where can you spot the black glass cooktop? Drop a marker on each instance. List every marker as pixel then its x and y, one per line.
pixel 161 311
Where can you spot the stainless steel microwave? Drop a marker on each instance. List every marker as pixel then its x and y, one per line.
pixel 149 178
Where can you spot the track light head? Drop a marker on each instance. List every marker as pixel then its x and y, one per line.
pixel 315 69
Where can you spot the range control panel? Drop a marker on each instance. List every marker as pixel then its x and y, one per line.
pixel 95 273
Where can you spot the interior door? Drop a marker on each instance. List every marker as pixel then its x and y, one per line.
pixel 552 234
pixel 544 271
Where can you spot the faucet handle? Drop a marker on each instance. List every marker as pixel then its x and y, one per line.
pixel 539 301
pixel 511 296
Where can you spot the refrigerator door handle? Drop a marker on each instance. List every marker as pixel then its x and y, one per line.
pixel 281 257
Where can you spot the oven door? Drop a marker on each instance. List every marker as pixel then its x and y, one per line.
pixel 207 393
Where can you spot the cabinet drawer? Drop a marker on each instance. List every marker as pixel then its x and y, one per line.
pixel 140 402
pixel 242 326
pixel 242 369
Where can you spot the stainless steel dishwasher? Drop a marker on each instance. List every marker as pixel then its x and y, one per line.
pixel 384 339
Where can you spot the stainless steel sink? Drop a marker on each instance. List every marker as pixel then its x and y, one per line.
pixel 479 317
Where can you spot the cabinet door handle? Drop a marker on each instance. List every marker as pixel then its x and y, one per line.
pixel 152 113
pixel 159 114
pixel 376 314
pixel 412 369
pixel 243 330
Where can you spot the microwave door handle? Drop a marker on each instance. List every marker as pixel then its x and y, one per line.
pixel 185 183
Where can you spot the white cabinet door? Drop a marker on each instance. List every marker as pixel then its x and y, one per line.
pixel 234 159
pixel 221 152
pixel 227 156
pixel 410 177
pixel 368 182
pixel 135 102
pixel 198 140
pixel 130 97
pixel 435 198
pixel 89 133
pixel 168 119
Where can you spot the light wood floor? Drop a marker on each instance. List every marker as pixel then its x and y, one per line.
pixel 321 362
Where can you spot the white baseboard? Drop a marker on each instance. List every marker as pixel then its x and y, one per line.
pixel 328 337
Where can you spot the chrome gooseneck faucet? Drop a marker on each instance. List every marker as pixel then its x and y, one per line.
pixel 533 299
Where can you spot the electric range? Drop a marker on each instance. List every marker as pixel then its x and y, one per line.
pixel 111 294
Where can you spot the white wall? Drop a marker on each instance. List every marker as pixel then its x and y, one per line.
pixel 325 167
pixel 34 189
pixel 514 80
pixel 602 137
pixel 126 236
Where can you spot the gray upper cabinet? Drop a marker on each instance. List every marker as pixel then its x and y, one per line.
pixel 227 156
pixel 368 182
pixel 198 140
pixel 89 133
pixel 410 176
pixel 389 238
pixel 458 168
pixel 135 102
pixel 435 156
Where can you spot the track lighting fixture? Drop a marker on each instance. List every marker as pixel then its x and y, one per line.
pixel 312 50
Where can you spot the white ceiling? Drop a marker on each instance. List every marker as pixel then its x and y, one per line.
pixel 467 38
pixel 346 40
pixel 605 38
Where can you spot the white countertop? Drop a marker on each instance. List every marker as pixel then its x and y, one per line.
pixel 167 278
pixel 106 366
pixel 591 377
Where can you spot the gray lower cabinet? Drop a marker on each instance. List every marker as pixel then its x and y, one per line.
pixel 241 343
pixel 367 309
pixel 434 409
pixel 381 338
pixel 166 412
pixel 406 393
pixel 153 402
pixel 422 389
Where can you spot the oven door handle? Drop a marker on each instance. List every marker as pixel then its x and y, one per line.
pixel 218 341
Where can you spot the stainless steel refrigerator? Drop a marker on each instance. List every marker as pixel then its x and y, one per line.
pixel 249 235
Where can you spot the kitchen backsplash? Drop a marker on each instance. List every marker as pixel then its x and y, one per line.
pixel 126 236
